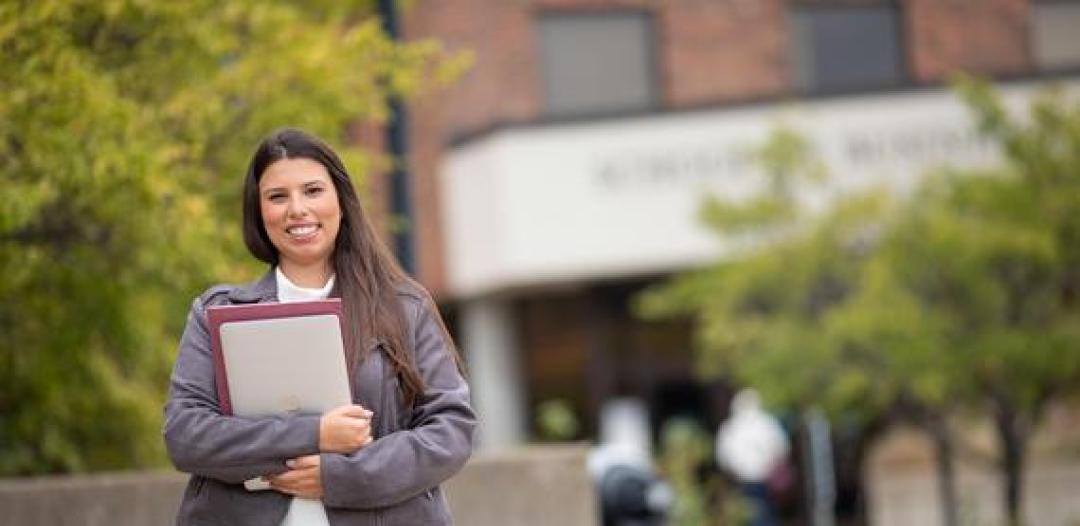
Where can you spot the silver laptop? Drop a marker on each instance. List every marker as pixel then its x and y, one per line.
pixel 285 365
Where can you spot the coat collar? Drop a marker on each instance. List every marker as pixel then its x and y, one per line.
pixel 261 291
pixel 265 290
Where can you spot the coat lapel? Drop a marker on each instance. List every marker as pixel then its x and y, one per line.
pixel 261 291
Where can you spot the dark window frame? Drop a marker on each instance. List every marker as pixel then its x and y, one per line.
pixel 1036 67
pixel 905 75
pixel 653 57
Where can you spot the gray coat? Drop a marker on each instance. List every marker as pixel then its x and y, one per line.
pixel 393 480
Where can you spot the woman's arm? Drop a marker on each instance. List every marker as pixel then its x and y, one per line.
pixel 435 445
pixel 202 441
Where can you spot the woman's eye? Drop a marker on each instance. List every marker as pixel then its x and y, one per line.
pixel 314 190
pixel 276 198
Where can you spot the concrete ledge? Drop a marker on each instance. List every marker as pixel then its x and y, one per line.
pixel 527 486
pixel 119 499
pixel 911 496
pixel 523 487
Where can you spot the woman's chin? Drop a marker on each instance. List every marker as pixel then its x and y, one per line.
pixel 305 258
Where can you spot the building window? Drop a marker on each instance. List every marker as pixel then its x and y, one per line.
pixel 1055 43
pixel 596 63
pixel 839 46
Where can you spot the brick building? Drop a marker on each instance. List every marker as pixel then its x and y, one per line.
pixel 562 173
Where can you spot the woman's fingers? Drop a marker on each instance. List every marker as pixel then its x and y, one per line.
pixel 302 480
pixel 305 490
pixel 344 429
pixel 287 479
pixel 307 461
pixel 353 410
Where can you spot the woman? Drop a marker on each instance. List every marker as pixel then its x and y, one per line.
pixel 379 461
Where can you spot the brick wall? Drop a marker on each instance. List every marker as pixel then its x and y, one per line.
pixel 709 53
pixel 986 36
pixel 502 86
pixel 723 50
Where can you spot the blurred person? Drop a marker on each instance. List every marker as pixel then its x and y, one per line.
pixel 621 466
pixel 750 445
pixel 410 428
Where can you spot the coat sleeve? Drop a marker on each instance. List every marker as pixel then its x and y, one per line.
pixel 202 441
pixel 433 447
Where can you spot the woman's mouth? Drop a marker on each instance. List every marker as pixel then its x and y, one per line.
pixel 301 231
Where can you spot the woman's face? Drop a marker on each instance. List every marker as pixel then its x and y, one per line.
pixel 300 211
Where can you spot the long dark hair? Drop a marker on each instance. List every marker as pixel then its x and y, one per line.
pixel 368 276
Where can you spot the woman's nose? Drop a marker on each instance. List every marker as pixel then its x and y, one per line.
pixel 295 208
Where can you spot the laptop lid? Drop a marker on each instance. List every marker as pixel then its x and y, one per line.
pixel 285 365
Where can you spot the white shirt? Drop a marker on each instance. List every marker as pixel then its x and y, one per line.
pixel 302 512
pixel 750 443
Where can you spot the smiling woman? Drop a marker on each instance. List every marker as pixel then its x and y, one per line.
pixel 300 213
pixel 379 460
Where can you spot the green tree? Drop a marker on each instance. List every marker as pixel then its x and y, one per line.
pixel 125 127
pixel 995 257
pixel 685 447
pixel 770 313
pixel 963 295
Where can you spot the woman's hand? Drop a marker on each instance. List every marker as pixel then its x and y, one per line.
pixel 304 478
pixel 344 429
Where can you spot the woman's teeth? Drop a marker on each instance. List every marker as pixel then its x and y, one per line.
pixel 300 231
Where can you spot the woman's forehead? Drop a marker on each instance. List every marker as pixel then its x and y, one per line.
pixel 293 171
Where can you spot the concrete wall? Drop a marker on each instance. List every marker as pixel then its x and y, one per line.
pixel 528 486
pixel 903 485
pixel 911 497
pixel 535 486
pixel 121 499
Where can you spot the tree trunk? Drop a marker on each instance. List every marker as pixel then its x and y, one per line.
pixel 853 445
pixel 1013 434
pixel 943 449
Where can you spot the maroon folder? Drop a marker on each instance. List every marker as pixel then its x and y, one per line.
pixel 220 314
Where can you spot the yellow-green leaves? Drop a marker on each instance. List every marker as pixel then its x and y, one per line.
pixel 125 130
pixel 960 294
